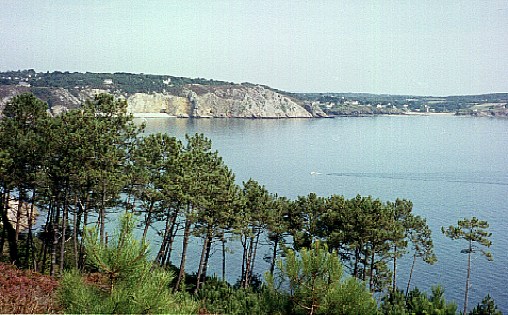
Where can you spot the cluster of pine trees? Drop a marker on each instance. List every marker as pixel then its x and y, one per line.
pixel 87 165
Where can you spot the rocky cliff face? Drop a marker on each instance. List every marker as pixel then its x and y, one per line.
pixel 192 100
pixel 242 101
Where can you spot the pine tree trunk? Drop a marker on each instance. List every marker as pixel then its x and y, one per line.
pixel 19 211
pixel 248 262
pixel 81 243
pixel 185 243
pixel 2 237
pixel 76 218
pixel 162 250
pixel 2 209
pixel 371 281
pixel 394 285
pixel 164 254
pixel 171 241
pixel 2 242
pixel 205 263
pixel 102 214
pixel 54 227
pixel 202 262
pixel 45 243
pixel 65 212
pixel 148 219
pixel 357 262
pixel 411 274
pixel 365 262
pixel 244 260
pixel 30 247
pixel 253 260
pixel 274 254
pixel 468 275
pixel 223 258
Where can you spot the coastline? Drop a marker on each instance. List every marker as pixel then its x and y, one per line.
pixel 151 115
pixel 164 115
pixel 429 114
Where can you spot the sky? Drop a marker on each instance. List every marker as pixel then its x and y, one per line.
pixel 410 47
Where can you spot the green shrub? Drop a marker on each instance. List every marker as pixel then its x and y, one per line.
pixel 127 282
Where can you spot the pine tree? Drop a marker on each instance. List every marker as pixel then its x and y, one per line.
pixel 23 139
pixel 277 228
pixel 474 231
pixel 129 283
pixel 421 242
pixel 487 307
pixel 254 220
pixel 315 282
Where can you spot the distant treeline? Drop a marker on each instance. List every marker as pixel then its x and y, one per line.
pixel 121 81
pixel 437 104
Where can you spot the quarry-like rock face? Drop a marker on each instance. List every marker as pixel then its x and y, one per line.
pixel 192 100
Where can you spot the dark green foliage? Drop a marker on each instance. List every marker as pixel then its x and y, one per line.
pixel 256 215
pixel 129 286
pixel 486 307
pixel 124 82
pixel 218 297
pixel 314 282
pixel 366 233
pixel 23 138
pixel 417 302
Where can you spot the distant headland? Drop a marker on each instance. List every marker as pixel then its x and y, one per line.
pixel 163 95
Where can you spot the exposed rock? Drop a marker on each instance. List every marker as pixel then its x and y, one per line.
pixel 25 211
pixel 192 100
pixel 147 103
pixel 89 94
pixel 314 109
pixel 58 110
pixel 244 102
pixel 62 97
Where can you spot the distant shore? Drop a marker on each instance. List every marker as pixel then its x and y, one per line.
pixel 151 115
pixel 164 115
pixel 429 114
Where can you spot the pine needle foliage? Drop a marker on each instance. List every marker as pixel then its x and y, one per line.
pixel 417 302
pixel 475 232
pixel 487 307
pixel 129 283
pixel 314 280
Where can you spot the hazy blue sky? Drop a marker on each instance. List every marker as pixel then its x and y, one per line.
pixel 401 47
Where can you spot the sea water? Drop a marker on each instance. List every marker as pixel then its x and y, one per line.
pixel 449 167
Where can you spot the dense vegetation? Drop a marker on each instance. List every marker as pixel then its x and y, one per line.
pixel 329 255
pixel 121 81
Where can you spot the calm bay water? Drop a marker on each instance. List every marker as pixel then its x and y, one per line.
pixel 449 167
